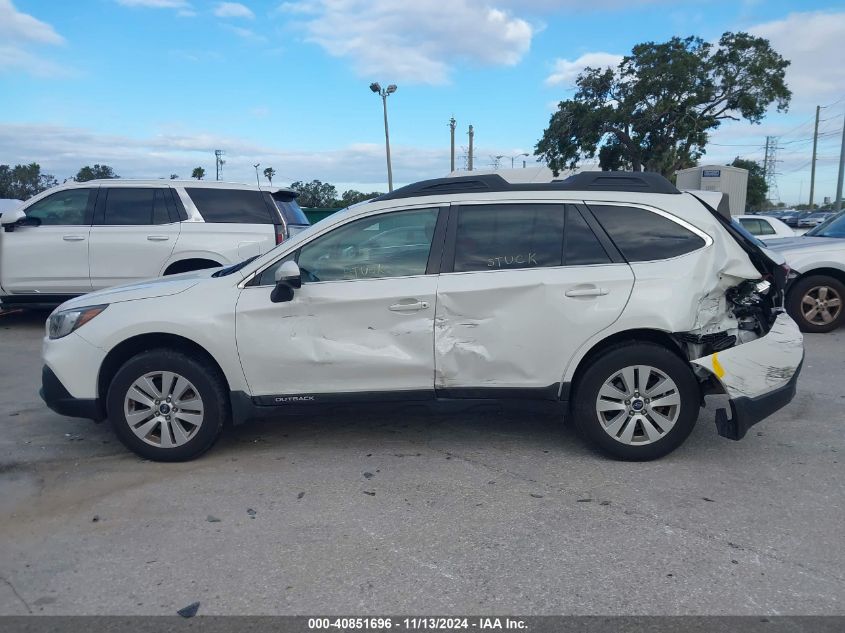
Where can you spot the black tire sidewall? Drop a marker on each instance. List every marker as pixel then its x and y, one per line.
pixel 203 377
pixel 796 294
pixel 611 361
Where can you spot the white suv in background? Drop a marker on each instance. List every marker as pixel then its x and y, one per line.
pixel 612 294
pixel 80 237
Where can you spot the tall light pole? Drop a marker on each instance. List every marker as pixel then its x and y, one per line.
pixel 384 92
pixel 258 182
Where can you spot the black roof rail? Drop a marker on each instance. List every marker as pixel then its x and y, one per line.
pixel 640 181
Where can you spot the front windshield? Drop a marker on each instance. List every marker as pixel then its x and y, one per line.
pixel 832 227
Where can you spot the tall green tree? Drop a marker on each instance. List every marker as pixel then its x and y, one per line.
pixel 198 173
pixel 269 172
pixel 24 181
pixel 351 196
pixel 755 199
pixel 96 172
pixel 655 110
pixel 315 193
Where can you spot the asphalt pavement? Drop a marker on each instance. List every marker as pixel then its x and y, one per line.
pixel 488 511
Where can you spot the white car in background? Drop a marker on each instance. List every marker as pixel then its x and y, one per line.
pixel 765 227
pixel 79 237
pixel 816 293
pixel 611 294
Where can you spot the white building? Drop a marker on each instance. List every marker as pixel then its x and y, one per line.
pixel 730 180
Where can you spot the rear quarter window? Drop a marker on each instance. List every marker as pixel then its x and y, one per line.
pixel 643 236
pixel 231 205
pixel 291 211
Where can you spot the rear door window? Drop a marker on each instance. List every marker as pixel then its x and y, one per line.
pixel 642 235
pixel 581 246
pixel 508 236
pixel 231 205
pixel 129 206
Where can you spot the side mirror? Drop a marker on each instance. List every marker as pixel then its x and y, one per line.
pixel 289 273
pixel 287 277
pixel 10 219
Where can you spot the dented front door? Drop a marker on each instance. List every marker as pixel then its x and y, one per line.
pixel 362 322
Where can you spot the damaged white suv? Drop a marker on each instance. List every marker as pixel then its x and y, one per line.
pixel 611 293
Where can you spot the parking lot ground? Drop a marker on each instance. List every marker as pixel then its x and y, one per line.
pixel 491 511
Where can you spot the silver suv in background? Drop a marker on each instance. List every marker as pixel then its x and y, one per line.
pixel 81 237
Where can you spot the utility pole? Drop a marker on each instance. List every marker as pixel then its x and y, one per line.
pixel 452 124
pixel 838 205
pixel 813 162
pixel 471 137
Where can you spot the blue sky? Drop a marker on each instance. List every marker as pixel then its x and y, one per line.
pixel 152 87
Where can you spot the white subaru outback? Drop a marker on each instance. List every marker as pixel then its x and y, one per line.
pixel 611 293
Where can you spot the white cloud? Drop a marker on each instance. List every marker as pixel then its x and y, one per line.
pixel 567 70
pixel 246 34
pixel 233 10
pixel 63 150
pixel 418 41
pixel 18 33
pixel 16 26
pixel 810 41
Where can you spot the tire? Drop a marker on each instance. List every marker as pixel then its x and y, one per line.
pixel 648 433
pixel 816 303
pixel 197 409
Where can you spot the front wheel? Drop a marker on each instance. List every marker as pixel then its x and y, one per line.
pixel 167 406
pixel 637 402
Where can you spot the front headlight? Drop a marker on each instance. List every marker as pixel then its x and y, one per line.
pixel 63 323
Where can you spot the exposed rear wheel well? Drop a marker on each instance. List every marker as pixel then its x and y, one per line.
pixel 121 353
pixel 622 339
pixel 187 265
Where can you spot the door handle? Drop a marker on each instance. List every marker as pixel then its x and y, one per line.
pixel 591 291
pixel 409 307
pixel 157 238
pixel 73 238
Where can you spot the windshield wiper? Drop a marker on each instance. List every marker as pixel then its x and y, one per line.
pixel 234 267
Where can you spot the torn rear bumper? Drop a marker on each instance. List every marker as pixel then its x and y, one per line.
pixel 746 412
pixel 760 376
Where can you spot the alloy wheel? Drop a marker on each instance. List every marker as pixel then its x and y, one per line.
pixel 163 409
pixel 821 305
pixel 638 405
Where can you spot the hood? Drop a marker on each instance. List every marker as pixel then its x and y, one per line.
pixel 147 289
pixel 808 242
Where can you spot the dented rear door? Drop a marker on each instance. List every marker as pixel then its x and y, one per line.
pixel 515 300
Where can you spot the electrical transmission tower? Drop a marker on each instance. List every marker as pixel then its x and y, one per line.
pixel 218 162
pixel 769 167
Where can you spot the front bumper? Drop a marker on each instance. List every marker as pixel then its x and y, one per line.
pixel 760 376
pixel 57 397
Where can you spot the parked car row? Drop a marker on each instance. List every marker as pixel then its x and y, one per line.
pixel 800 219
pixel 612 294
pixel 80 237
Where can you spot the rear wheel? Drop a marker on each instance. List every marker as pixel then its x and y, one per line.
pixel 637 402
pixel 167 406
pixel 815 302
